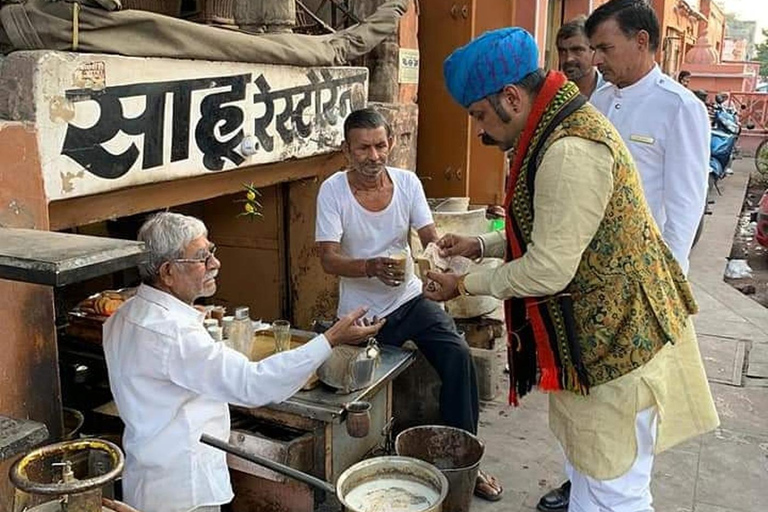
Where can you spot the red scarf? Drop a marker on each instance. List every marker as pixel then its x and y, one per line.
pixel 545 358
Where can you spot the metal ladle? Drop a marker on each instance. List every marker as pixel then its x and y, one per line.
pixel 270 464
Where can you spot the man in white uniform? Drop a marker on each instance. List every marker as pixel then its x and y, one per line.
pixel 364 217
pixel 663 124
pixel 172 382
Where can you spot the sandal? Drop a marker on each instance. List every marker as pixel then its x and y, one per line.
pixel 487 487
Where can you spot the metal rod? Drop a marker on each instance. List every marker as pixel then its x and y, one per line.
pixel 274 466
pixel 314 17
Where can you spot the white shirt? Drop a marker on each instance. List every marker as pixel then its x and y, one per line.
pixel 600 82
pixel 666 129
pixel 171 382
pixel 365 234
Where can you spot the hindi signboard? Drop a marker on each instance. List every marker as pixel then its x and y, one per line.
pixel 107 122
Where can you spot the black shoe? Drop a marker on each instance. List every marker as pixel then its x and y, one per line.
pixel 556 500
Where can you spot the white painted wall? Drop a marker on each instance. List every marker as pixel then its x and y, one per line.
pixel 76 96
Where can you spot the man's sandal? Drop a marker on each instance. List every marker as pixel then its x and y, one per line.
pixel 487 487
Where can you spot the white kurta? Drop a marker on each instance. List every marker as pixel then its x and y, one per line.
pixel 171 383
pixel 666 128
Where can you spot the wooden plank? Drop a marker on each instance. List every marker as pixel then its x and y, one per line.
pixel 283 260
pixel 78 211
pixel 249 252
pixel 487 164
pixel 314 294
pixel 408 37
pixel 29 371
pixel 282 418
pixel 444 129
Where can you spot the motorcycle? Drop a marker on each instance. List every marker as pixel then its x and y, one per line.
pixel 722 145
pixel 725 133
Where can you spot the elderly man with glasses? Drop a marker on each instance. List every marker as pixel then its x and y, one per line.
pixel 172 382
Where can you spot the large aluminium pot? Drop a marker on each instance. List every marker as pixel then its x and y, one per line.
pixel 382 484
pixel 379 484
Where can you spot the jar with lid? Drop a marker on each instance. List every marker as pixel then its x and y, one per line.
pixel 241 331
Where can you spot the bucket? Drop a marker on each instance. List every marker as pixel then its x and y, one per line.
pixel 455 452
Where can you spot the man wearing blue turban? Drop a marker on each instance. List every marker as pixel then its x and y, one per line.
pixel 596 306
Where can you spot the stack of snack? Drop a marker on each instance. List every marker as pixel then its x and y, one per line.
pixel 102 304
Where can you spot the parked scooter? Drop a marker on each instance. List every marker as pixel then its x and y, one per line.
pixel 722 145
pixel 725 133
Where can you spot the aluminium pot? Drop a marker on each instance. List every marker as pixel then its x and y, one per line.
pixel 372 485
pixel 397 483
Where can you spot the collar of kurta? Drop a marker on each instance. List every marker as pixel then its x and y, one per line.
pixel 168 302
pixel 642 86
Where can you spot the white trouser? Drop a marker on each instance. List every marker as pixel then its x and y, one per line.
pixel 214 508
pixel 631 492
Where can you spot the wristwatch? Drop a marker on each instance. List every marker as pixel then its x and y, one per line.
pixel 462 288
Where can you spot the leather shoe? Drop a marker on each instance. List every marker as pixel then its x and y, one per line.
pixel 556 500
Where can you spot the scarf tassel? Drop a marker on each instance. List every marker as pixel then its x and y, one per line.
pixel 550 381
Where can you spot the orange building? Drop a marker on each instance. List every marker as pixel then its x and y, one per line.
pixel 714 26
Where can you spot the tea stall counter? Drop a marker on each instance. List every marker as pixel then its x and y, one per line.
pixel 314 436
pixel 324 404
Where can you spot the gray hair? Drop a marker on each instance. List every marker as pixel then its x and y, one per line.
pixel 166 235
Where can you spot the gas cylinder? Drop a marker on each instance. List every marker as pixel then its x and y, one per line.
pixel 68 477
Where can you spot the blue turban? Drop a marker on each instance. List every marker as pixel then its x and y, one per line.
pixel 486 64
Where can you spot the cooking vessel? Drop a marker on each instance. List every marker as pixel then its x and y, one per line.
pixel 369 486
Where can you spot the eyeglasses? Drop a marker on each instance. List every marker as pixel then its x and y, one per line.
pixel 206 260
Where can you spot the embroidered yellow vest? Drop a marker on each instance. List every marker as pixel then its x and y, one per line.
pixel 630 296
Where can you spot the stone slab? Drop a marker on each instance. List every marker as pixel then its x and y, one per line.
pixel 733 471
pixel 57 259
pixel 757 366
pixel 19 436
pixel 706 507
pixel 674 480
pixel 723 359
pixel 757 370
pixel 742 409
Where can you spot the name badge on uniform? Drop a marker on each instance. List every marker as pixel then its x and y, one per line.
pixel 643 139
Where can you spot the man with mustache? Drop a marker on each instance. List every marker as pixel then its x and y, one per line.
pixel 598 310
pixel 664 125
pixel 172 382
pixel 364 217
pixel 575 56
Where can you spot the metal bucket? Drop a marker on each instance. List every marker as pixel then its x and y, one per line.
pixel 455 452
pixel 392 483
